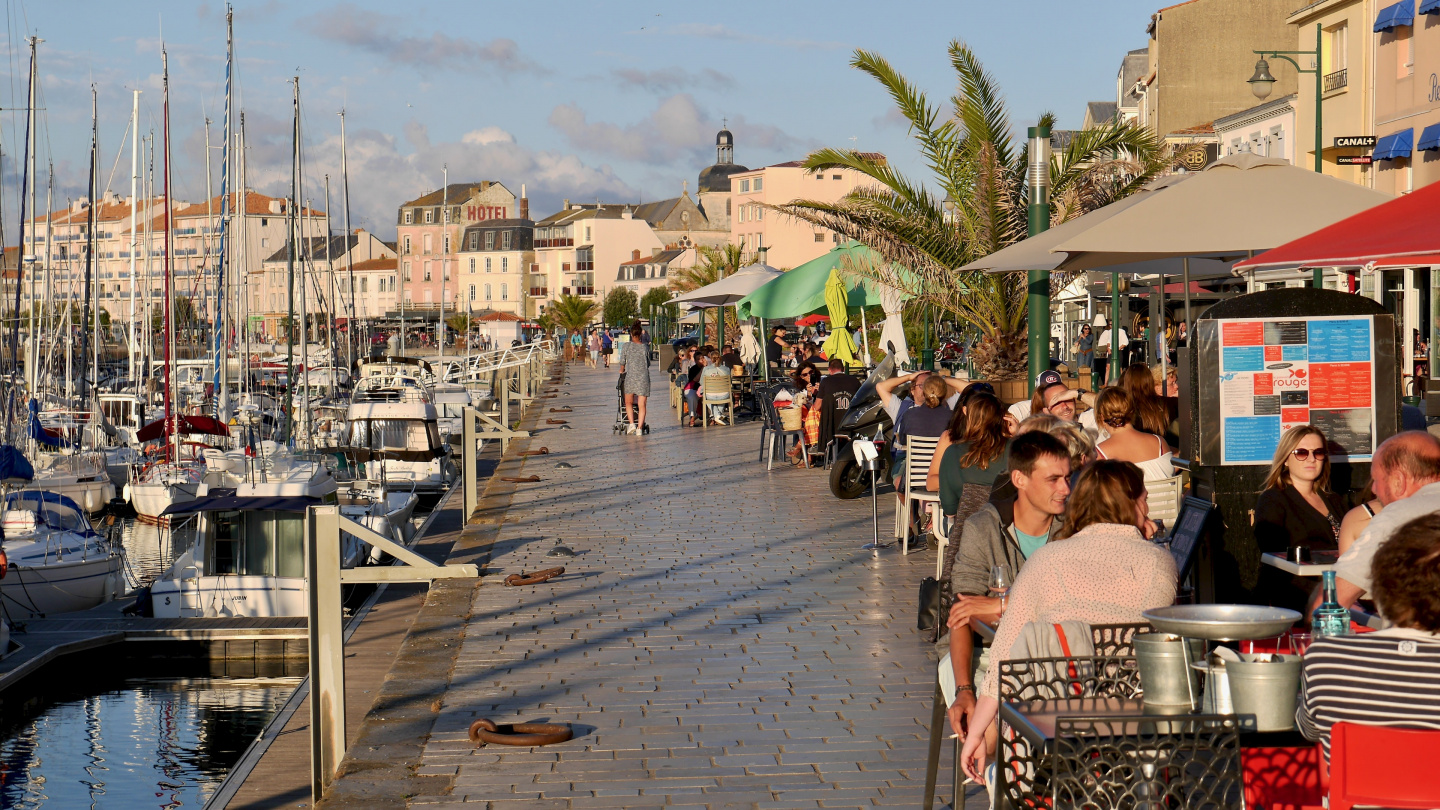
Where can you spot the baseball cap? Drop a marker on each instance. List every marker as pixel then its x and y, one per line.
pixel 1047 379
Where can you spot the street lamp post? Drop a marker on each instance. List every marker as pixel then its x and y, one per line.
pixel 1038 220
pixel 1262 83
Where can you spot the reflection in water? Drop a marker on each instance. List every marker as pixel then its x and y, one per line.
pixel 149 549
pixel 147 743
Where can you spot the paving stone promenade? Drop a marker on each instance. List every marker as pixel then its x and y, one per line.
pixel 720 641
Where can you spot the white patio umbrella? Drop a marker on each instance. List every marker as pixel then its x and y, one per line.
pixel 892 332
pixel 729 290
pixel 750 350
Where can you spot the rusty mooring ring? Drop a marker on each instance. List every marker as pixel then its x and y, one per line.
pixel 485 732
pixel 536 578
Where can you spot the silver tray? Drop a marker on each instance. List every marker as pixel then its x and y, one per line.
pixel 1222 622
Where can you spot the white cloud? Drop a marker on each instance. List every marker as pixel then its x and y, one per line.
pixel 728 34
pixel 676 131
pixel 379 34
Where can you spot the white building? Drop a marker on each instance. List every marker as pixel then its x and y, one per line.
pixel 1266 129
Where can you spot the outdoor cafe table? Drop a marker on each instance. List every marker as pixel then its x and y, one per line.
pixel 1299 569
pixel 1035 722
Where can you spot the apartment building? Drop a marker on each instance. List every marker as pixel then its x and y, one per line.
pixel 644 273
pixel 494 261
pixel 56 246
pixel 320 277
pixel 376 287
pixel 788 242
pixel 579 249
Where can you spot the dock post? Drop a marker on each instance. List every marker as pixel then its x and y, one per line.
pixel 327 649
pixel 468 471
pixel 504 408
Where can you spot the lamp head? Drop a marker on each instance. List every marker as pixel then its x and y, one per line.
pixel 1262 82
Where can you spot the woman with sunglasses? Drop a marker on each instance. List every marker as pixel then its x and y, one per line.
pixel 1296 508
pixel 1116 412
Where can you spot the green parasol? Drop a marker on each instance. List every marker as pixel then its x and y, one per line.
pixel 802 290
pixel 839 343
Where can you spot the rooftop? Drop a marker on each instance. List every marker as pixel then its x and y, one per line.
pixel 453 193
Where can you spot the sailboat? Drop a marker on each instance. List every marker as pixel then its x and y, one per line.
pixel 177 475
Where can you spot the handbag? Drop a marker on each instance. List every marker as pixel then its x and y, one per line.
pixel 934 608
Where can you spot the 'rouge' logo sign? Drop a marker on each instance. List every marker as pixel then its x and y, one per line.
pixel 477 213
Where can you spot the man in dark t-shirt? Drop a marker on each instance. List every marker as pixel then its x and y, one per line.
pixel 837 380
pixel 775 347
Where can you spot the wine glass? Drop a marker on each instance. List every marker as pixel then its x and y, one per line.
pixel 1000 583
pixel 1300 642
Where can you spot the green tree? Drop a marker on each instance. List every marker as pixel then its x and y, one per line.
pixel 571 312
pixel 621 306
pixel 459 322
pixel 976 166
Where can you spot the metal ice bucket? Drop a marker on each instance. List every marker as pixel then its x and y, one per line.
pixel 1266 689
pixel 1165 673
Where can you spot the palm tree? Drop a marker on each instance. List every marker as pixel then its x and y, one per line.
pixel 978 170
pixel 714 264
pixel 572 313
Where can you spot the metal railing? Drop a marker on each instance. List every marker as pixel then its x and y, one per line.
pixel 1336 80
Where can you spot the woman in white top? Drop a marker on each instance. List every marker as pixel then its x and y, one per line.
pixel 1115 410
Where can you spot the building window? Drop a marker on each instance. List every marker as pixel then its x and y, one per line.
pixel 407 245
pixel 834 177
pixel 264 241
pixel 427 271
pixel 362 283
pixel 447 214
pixel 407 296
pixel 447 243
pixel 742 213
pixel 835 237
pixel 446 267
pixel 759 184
pixel 727 206
pixel 487 292
pixel 504 292
pixel 487 264
pixel 427 242
pixel 744 185
pixel 407 271
pixel 1405 48
pixel 587 233
pixel 505 240
pixel 409 218
pixel 392 284
pixel 504 264
pixel 472 265
pixel 471 241
pixel 489 240
pixel 759 212
pixel 819 237
pixel 429 216
pixel 472 292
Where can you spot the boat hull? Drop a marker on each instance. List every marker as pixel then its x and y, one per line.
pixel 152 499
pixel 230 595
pixel 62 587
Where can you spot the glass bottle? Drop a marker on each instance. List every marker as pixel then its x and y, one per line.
pixel 1330 619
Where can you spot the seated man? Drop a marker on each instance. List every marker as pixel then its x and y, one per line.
pixel 730 358
pixel 1390 677
pixel 715 368
pixel 838 380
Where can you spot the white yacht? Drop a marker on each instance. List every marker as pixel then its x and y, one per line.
pixel 57 561
pixel 248 557
pixel 80 477
pixel 451 400
pixel 394 427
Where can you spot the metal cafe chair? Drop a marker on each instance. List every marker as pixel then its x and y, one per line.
pixel 1189 761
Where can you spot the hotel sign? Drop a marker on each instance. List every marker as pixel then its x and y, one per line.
pixel 1351 141
pixel 480 213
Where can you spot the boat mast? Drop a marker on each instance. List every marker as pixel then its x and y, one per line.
pixel 290 267
pixel 444 251
pixel 171 424
pixel 242 255
pixel 349 255
pixel 220 383
pixel 330 274
pixel 133 347
pixel 33 364
pixel 90 242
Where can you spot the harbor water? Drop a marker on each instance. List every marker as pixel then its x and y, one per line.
pixel 142 742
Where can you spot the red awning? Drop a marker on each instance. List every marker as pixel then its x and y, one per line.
pixel 1402 232
pixel 1422 260
pixel 188 424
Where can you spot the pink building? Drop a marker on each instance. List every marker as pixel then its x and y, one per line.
pixel 788 242
pixel 428 235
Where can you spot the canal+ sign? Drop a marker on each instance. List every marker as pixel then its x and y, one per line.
pixel 1354 141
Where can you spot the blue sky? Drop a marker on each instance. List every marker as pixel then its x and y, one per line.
pixel 618 101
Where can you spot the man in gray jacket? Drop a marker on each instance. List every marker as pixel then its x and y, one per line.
pixel 1003 533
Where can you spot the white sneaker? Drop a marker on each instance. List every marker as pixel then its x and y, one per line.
pixel 631 430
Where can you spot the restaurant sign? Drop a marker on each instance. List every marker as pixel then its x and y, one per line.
pixel 1278 373
pixel 1349 141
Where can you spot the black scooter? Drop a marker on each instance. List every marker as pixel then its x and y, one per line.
pixel 866 419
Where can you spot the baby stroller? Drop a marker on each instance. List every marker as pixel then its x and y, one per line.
pixel 620 420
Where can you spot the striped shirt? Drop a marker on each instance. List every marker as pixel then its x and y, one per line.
pixel 1387 678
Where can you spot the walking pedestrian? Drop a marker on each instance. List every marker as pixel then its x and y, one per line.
pixel 607 346
pixel 635 366
pixel 592 357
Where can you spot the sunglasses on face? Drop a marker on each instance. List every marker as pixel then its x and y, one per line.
pixel 1304 453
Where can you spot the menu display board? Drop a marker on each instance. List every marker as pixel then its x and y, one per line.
pixel 1278 373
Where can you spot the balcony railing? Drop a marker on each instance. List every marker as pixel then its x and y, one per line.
pixel 1336 80
pixel 539 292
pixel 554 243
pixel 585 267
pixel 577 290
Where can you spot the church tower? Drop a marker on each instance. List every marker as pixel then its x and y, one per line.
pixel 713 188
